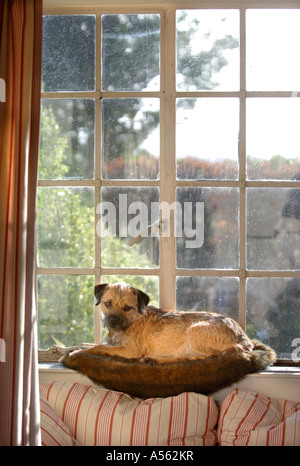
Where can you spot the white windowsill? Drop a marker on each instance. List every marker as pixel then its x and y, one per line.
pixel 277 382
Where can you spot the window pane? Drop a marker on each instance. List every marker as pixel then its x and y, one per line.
pixel 207 138
pixel 68 61
pixel 66 227
pixel 207 50
pixel 212 294
pixel 130 138
pixel 273 313
pixel 125 214
pixel 67 139
pixel 272 54
pixel 217 225
pixel 273 229
pixel 130 52
pixel 65 310
pixel 273 140
pixel 149 284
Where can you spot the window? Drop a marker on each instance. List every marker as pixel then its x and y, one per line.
pixel 170 159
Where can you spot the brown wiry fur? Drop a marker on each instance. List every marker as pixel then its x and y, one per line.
pixel 147 380
pixel 153 352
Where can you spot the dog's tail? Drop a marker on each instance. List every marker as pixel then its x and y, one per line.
pixel 262 356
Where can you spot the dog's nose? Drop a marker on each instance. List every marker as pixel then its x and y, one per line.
pixel 113 320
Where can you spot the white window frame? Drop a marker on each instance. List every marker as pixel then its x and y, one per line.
pixel 168 95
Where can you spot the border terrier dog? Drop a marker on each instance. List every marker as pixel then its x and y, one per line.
pixel 137 330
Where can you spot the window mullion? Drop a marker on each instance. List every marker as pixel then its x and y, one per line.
pixel 167 160
pixel 97 315
pixel 242 171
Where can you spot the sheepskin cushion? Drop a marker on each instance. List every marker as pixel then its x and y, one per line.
pixel 148 380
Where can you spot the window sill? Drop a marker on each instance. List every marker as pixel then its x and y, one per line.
pixel 277 382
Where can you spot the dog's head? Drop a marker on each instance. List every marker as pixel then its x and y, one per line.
pixel 121 304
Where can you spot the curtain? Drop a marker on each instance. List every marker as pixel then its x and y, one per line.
pixel 20 73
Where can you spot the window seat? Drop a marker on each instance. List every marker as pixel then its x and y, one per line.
pixel 262 409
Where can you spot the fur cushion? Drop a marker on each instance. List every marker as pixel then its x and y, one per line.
pixel 148 380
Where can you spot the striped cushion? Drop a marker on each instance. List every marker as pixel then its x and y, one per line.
pixel 54 433
pixel 248 418
pixel 98 416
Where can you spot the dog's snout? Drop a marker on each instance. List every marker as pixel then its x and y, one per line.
pixel 115 322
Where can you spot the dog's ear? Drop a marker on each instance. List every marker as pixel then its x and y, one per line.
pixel 143 300
pixel 98 292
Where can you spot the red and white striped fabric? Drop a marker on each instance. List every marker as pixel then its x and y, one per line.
pixel 105 417
pixel 54 433
pixel 252 419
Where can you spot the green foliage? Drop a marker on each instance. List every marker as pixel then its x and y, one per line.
pixel 66 219
pixel 65 227
pixel 65 309
pixel 53 166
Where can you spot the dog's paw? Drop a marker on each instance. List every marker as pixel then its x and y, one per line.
pixel 68 354
pixel 148 360
pixel 72 350
pixel 64 358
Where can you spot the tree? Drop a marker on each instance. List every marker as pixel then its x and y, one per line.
pixel 198 70
pixel 130 59
pixel 66 215
pixel 65 218
pixel 66 239
pixel 284 317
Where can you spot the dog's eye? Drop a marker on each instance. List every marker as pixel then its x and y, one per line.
pixel 127 308
pixel 107 303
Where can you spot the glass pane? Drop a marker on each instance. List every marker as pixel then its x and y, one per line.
pixel 65 310
pixel 130 138
pixel 65 227
pixel 211 294
pixel 272 50
pixel 149 284
pixel 125 214
pixel 68 60
pixel 273 139
pixel 273 313
pixel 130 52
pixel 207 138
pixel 207 50
pixel 217 225
pixel 67 139
pixel 273 229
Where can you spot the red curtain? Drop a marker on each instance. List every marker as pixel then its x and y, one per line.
pixel 20 73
